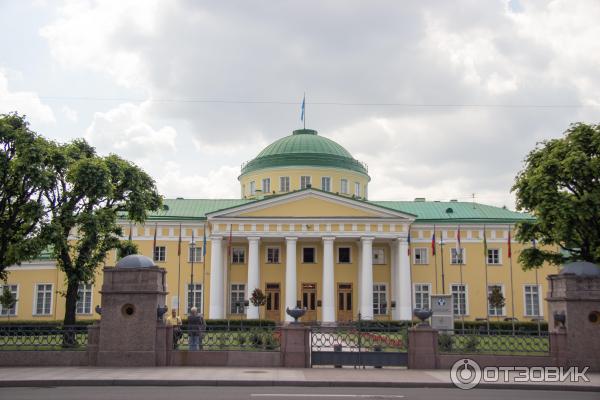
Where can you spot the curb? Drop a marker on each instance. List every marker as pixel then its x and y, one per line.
pixel 188 382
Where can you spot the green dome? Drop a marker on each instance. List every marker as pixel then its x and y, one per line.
pixel 304 148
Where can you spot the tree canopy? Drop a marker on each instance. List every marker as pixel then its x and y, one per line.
pixel 24 176
pixel 560 186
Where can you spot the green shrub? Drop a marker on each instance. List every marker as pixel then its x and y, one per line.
pixel 471 343
pixel 445 342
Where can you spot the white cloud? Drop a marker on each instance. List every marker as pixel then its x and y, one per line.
pixel 24 102
pixel 69 113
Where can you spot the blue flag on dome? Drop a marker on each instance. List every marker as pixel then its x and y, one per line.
pixel 303 103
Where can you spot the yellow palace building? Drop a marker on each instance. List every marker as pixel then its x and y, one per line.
pixel 306 234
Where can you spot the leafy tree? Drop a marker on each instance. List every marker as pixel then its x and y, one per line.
pixel 496 298
pixel 90 192
pixel 7 299
pixel 560 186
pixel 258 298
pixel 24 175
pixel 126 248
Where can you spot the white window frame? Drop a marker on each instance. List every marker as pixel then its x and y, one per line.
pixel 422 260
pixel 328 180
pixel 15 309
pixel 266 185
pixel 252 188
pixel 539 295
pixel 383 260
pixel 278 254
pixel 238 310
pixel 88 288
pixel 415 292
pixel 503 311
pixel 284 184
pixel 466 292
pixel 337 251
pixel 243 249
pixel 454 260
pixel 357 189
pixel 198 254
pixel 157 259
pixel 195 291
pixel 344 186
pixel 35 296
pixel 305 180
pixel 377 310
pixel 315 253
pixel 487 258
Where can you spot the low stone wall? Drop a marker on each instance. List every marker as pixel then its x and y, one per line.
pixel 445 361
pixel 260 359
pixel 43 358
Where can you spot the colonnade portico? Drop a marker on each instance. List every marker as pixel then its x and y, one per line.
pixel 400 295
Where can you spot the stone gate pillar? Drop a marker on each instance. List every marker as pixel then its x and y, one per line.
pixel 131 331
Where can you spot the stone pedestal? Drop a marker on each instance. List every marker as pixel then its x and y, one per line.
pixel 577 297
pixel 130 332
pixel 423 348
pixel 295 346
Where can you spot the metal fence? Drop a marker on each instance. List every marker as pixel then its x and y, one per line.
pixel 497 342
pixel 32 337
pixel 265 338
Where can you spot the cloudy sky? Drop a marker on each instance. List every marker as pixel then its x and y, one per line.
pixel 441 99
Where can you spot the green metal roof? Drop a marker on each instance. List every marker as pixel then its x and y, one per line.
pixel 304 148
pixel 455 212
pixel 425 211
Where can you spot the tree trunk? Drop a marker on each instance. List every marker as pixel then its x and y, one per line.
pixel 71 303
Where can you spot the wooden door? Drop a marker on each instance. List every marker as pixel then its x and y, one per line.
pixel 272 307
pixel 309 301
pixel 344 313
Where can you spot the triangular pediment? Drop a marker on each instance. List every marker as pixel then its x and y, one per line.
pixel 310 203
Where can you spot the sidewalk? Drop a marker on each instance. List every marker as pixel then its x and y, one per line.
pixel 199 376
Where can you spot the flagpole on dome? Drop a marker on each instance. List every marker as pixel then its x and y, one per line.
pixel 303 113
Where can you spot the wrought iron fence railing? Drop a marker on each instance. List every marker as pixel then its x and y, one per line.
pixel 359 337
pixel 265 338
pixel 498 342
pixel 31 337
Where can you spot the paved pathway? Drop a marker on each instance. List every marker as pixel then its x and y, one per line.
pixel 204 376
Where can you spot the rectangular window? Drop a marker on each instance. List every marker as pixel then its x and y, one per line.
pixel 305 182
pixel 238 255
pixel 273 255
pixel 195 254
pixel 160 253
pixel 252 188
pixel 194 297
pixel 421 254
pixel 357 189
pixel 378 256
pixel 344 186
pixel 15 292
pixel 43 299
pixel 326 184
pixel 493 256
pixel 84 298
pixel 308 255
pixel 459 298
pixel 457 257
pixel 266 185
pixel 284 184
pixel 532 300
pixel 238 296
pixel 379 299
pixel 366 191
pixel 495 311
pixel 422 293
pixel 344 255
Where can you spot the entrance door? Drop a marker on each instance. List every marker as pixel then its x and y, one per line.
pixel 273 294
pixel 309 301
pixel 344 313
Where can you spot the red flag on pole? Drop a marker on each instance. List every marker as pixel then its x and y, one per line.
pixel 154 241
pixel 509 248
pixel 433 243
pixel 229 242
pixel 179 242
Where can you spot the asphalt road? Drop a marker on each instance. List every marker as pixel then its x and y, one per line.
pixel 276 393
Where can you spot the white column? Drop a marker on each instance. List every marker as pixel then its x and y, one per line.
pixel 359 279
pixel 291 288
pixel 366 282
pixel 404 282
pixel 253 274
pixel 328 300
pixel 216 310
pixel 395 273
